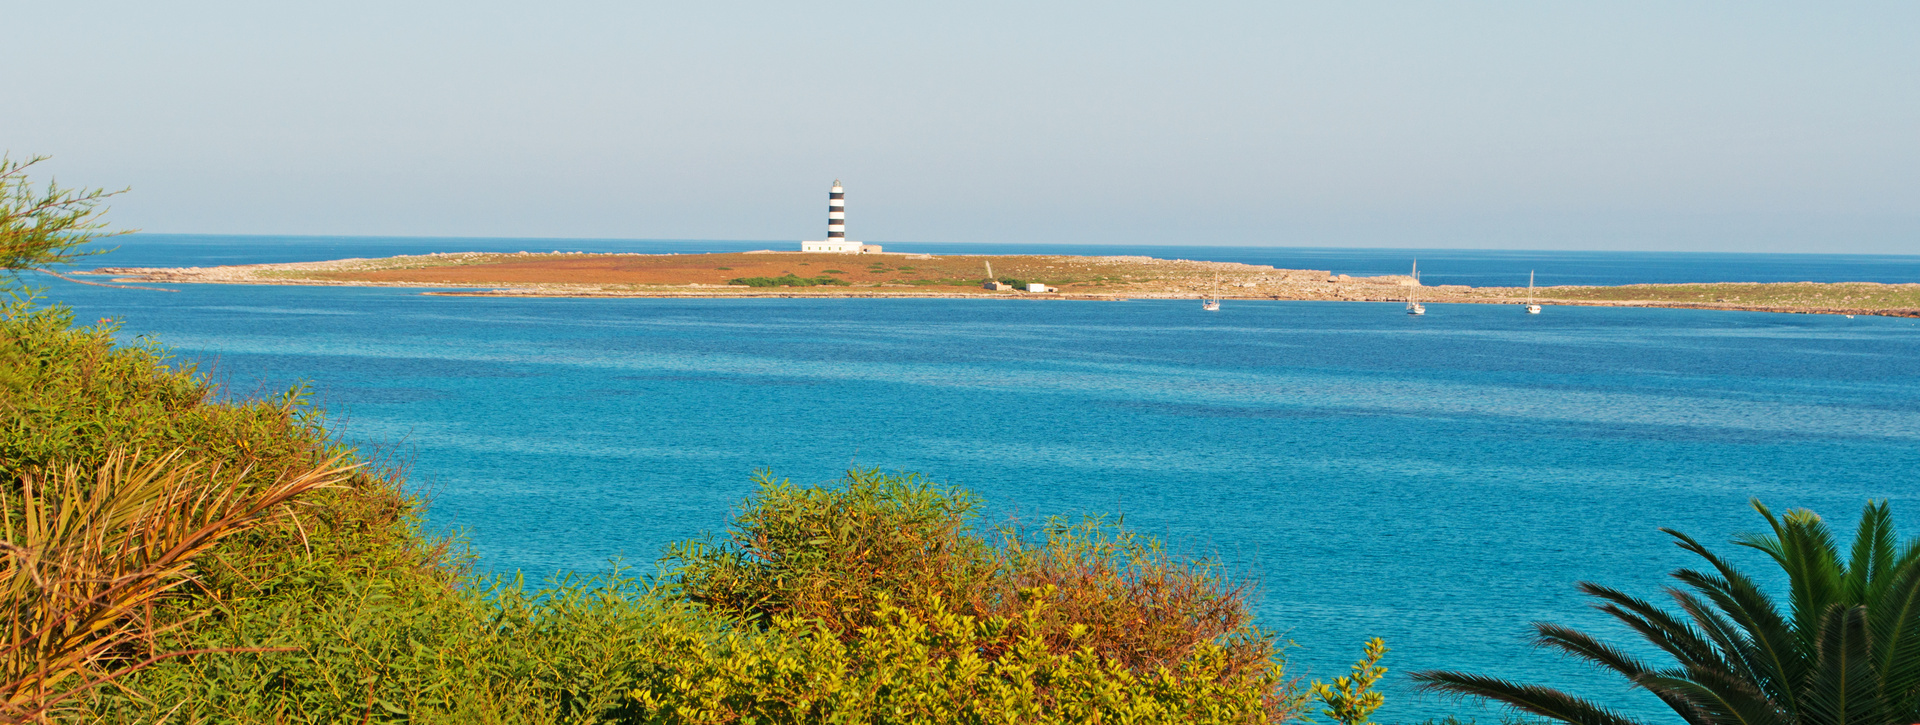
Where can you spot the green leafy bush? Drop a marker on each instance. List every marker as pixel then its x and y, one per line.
pixel 923 667
pixel 871 601
pixel 788 280
pixel 69 395
pixel 42 226
pixel 70 399
pixel 843 558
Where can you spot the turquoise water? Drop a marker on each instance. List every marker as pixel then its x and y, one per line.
pixel 1437 481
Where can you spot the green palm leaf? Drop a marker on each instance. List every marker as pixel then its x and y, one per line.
pixel 1663 630
pixel 1846 653
pixel 1724 705
pixel 1803 546
pixel 1737 660
pixel 1872 558
pixel 1773 652
pixel 1542 701
pixel 1894 629
pixel 1583 646
pixel 1843 688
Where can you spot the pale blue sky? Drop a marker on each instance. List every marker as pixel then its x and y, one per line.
pixel 1735 126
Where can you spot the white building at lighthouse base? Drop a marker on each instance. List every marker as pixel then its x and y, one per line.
pixel 839 246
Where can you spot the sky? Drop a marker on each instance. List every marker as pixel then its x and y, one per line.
pixel 1696 126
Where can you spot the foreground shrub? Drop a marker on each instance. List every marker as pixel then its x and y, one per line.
pixel 391 650
pixel 871 601
pixel 92 551
pixel 45 225
pixel 70 397
pixel 927 667
pixel 164 461
pixel 884 549
pixel 616 649
pixel 1846 651
pixel 830 554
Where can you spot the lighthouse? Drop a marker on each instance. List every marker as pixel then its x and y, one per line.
pixel 836 213
pixel 836 241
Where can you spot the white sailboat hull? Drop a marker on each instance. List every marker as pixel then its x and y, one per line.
pixel 1413 305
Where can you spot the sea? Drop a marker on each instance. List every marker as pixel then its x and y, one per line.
pixel 1439 482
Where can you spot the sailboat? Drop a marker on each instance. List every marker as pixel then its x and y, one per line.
pixel 1532 309
pixel 1211 303
pixel 1413 302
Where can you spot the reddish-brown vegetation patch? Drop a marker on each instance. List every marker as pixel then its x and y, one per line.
pixel 949 272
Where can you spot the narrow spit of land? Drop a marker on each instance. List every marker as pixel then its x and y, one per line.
pixel 794 274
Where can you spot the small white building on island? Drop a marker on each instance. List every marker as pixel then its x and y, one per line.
pixel 836 241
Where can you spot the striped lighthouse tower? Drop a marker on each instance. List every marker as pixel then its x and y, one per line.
pixel 836 240
pixel 836 213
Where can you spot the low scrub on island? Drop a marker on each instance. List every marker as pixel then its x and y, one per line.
pixel 789 280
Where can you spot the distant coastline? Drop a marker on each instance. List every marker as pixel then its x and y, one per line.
pixel 1112 278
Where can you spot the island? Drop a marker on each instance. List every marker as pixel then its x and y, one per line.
pixel 1037 277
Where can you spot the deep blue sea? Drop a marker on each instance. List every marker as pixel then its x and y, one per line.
pixel 1438 481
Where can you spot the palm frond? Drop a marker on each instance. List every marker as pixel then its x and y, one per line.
pixel 1542 701
pixel 1583 646
pixel 1736 651
pixel 1815 574
pixel 1894 626
pixel 92 547
pixel 1768 544
pixel 1845 652
pixel 1775 646
pixel 1660 628
pixel 1872 558
pixel 1720 701
pixel 1844 683
pixel 1910 556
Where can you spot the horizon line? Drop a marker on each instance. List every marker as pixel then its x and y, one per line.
pixel 1202 245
